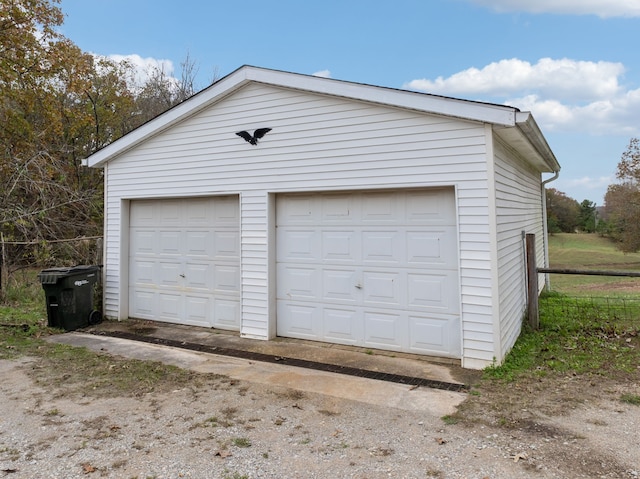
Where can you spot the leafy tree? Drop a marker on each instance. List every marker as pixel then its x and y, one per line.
pixel 622 201
pixel 629 166
pixel 563 212
pixel 587 217
pixel 161 91
pixel 59 105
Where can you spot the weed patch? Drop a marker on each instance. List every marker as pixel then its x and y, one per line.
pixel 450 420
pixel 633 399
pixel 241 442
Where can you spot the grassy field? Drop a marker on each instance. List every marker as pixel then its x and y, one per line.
pixel 590 251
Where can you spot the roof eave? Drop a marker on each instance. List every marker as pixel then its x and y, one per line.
pixel 530 129
pixel 526 138
pixel 424 102
pixel 433 104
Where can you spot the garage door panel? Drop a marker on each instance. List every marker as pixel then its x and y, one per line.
pixel 183 257
pixel 226 278
pixel 337 208
pixel 143 214
pixel 170 305
pixel 383 330
pixel 436 291
pixel 198 309
pixel 226 313
pixel 298 245
pixel 298 282
pixel 226 245
pixel 198 212
pixel 144 302
pixel 339 246
pixel 340 285
pixel 167 273
pixel 169 243
pixel 432 248
pixel 142 272
pixel 199 243
pixel 430 207
pixel 382 288
pixel 170 213
pixel 226 211
pixel 435 334
pixel 382 247
pixel 387 263
pixel 380 208
pixel 143 241
pixel 341 325
pixel 298 209
pixel 301 320
pixel 198 276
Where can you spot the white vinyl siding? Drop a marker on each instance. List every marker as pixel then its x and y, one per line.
pixel 518 211
pixel 317 143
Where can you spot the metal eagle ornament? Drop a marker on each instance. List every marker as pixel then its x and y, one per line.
pixel 253 139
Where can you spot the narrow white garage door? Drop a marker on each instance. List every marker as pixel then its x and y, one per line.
pixel 373 269
pixel 184 262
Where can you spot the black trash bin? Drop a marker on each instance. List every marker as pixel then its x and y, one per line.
pixel 69 296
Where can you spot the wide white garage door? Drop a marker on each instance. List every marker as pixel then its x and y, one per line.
pixel 184 262
pixel 373 269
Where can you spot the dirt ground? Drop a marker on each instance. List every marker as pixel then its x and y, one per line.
pixel 209 426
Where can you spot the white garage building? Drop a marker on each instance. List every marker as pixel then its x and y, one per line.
pixel 366 216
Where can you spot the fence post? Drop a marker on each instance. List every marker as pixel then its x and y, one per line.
pixel 3 262
pixel 99 251
pixel 532 282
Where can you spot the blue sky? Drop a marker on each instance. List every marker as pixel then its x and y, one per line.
pixel 575 64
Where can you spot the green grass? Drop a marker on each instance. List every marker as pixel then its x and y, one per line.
pixel 591 251
pixel 632 399
pixel 583 339
pixel 23 316
pixel 588 325
pixel 450 420
pixel 241 442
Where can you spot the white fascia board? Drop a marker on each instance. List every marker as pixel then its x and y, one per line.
pixel 424 102
pixel 528 126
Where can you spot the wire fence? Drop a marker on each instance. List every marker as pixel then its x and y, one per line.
pixel 17 256
pixel 621 310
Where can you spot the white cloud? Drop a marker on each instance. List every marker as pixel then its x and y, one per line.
pixel 590 183
pixel 322 73
pixel 569 78
pixel 143 68
pixel 601 8
pixel 564 94
pixel 618 115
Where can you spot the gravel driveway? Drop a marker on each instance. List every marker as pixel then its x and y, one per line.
pixel 219 427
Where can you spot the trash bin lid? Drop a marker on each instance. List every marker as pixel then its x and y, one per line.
pixel 53 275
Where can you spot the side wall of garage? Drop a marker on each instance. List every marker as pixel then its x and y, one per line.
pixel 518 211
pixel 317 143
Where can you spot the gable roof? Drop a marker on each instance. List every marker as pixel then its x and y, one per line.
pixel 515 127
